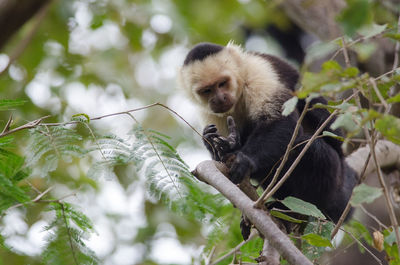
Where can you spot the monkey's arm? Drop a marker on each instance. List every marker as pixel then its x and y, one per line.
pixel 265 145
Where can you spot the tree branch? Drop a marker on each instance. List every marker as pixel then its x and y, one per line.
pixel 207 171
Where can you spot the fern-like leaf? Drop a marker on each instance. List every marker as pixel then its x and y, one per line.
pixel 65 239
pixel 167 176
pixel 11 172
pixel 50 144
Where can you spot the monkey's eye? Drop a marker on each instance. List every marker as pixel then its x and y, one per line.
pixel 222 84
pixel 205 91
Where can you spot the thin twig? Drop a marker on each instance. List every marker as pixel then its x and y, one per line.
pixel 373 217
pixel 378 93
pixel 366 249
pixel 267 195
pixel 208 259
pixel 348 206
pixel 393 89
pixel 159 157
pixel 288 148
pixel 69 233
pixel 387 73
pixel 253 234
pixel 345 53
pixel 36 199
pixel 389 204
pixel 8 125
pixel 29 125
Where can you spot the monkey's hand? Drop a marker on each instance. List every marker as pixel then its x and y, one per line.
pixel 240 166
pixel 221 147
pixel 210 133
pixel 227 145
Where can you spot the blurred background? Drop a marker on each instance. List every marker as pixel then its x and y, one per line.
pixel 97 57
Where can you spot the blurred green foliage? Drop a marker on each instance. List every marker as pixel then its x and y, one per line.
pixel 103 48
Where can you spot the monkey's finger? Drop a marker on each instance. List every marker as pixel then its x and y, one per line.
pixel 223 143
pixel 211 128
pixel 231 124
pixel 211 136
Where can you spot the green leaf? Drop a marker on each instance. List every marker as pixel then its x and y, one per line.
pixel 364 50
pixel 346 121
pixel 317 240
pixel 323 229
pixel 371 30
pixel 320 50
pixel 6 104
pixel 359 230
pixel 302 207
pixel 330 134
pixel 391 238
pixel 350 72
pixel 389 126
pixel 286 217
pixel 354 16
pixel 312 82
pixel 331 65
pixel 394 99
pixel 394 36
pixel 289 106
pixel 365 194
pixel 82 117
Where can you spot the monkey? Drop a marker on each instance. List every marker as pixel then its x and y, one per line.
pixel 240 95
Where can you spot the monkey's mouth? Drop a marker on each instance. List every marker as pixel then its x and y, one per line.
pixel 222 108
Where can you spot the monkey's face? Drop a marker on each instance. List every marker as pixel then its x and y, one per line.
pixel 219 95
pixel 215 83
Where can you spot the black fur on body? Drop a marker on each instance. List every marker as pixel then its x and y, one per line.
pixel 259 140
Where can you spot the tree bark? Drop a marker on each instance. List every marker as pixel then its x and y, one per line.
pixel 388 155
pixel 14 14
pixel 207 171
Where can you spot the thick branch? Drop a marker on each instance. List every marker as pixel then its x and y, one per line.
pixel 207 172
pixel 14 14
pixel 387 154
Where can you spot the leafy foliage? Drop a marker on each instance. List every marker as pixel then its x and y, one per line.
pixel 302 207
pixel 49 145
pixel 365 194
pixel 11 173
pixel 167 176
pixel 66 237
pixel 51 65
pixel 317 236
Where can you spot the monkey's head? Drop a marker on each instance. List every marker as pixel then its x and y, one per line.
pixel 211 75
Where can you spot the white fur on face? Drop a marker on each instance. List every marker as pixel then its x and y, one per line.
pixel 254 83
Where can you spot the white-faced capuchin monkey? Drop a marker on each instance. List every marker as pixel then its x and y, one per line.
pixel 241 96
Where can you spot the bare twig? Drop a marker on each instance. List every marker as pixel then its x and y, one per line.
pixel 253 234
pixel 8 125
pixel 207 261
pixel 288 149
pixel 378 93
pixel 29 125
pixel 348 206
pixel 36 199
pixel 361 244
pixel 373 217
pixel 389 204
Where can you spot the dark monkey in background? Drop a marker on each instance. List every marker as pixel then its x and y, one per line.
pixel 251 88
